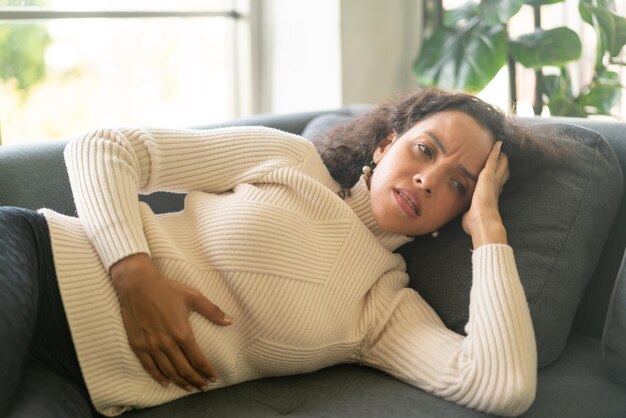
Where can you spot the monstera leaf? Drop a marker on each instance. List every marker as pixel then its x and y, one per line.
pixel 460 15
pixel 494 12
pixel 604 92
pixel 558 89
pixel 546 47
pixel 551 85
pixel 472 44
pixel 565 106
pixel 461 58
pixel 541 2
pixel 610 26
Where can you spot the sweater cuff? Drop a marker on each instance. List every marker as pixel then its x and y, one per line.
pixel 119 241
pixel 499 251
pixel 109 250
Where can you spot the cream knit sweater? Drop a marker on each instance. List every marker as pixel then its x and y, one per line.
pixel 310 279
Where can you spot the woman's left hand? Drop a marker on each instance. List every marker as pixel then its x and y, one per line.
pixel 482 221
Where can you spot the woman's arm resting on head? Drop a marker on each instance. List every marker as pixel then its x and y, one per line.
pixel 494 368
pixel 482 221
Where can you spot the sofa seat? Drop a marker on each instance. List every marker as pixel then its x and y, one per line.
pixel 355 391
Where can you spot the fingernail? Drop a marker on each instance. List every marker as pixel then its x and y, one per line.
pixel 228 319
pixel 164 383
pixel 213 379
pixel 188 388
pixel 204 388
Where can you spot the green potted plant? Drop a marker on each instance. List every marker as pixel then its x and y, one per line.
pixel 470 44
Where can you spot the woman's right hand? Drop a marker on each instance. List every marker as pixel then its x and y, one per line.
pixel 482 221
pixel 155 311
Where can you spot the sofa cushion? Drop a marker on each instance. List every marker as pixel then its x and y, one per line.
pixel 576 386
pixel 614 335
pixel 317 129
pixel 556 221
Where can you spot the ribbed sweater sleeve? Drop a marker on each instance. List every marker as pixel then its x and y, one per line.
pixel 493 368
pixel 108 168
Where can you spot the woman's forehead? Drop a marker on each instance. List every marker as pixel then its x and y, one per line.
pixel 452 129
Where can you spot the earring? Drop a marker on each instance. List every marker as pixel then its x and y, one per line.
pixel 368 170
pixel 435 234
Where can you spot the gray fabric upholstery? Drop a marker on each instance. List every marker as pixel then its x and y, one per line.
pixel 43 182
pixel 614 336
pixel 591 313
pixel 317 129
pixel 576 386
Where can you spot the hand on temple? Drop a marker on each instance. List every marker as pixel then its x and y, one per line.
pixel 156 311
pixel 482 221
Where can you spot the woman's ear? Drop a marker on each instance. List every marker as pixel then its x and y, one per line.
pixel 383 146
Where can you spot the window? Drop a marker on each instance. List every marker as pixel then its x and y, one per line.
pixel 67 66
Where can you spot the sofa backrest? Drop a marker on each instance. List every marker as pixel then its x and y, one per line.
pixel 34 176
pixel 591 313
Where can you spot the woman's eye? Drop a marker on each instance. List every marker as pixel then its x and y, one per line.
pixel 459 187
pixel 425 150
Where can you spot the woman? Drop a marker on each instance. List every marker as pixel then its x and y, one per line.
pixel 301 262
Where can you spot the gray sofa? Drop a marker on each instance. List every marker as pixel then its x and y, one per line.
pixel 575 385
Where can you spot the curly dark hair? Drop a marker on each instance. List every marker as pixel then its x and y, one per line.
pixel 351 145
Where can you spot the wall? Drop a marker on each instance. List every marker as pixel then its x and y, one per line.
pixel 300 56
pixel 379 42
pixel 320 54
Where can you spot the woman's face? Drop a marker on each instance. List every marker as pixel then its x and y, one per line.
pixel 426 177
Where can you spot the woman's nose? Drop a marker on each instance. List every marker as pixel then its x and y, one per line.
pixel 427 181
pixel 421 183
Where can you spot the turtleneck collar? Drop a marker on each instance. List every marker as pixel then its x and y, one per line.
pixel 359 201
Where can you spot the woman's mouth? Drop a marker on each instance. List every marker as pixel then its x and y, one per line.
pixel 407 201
